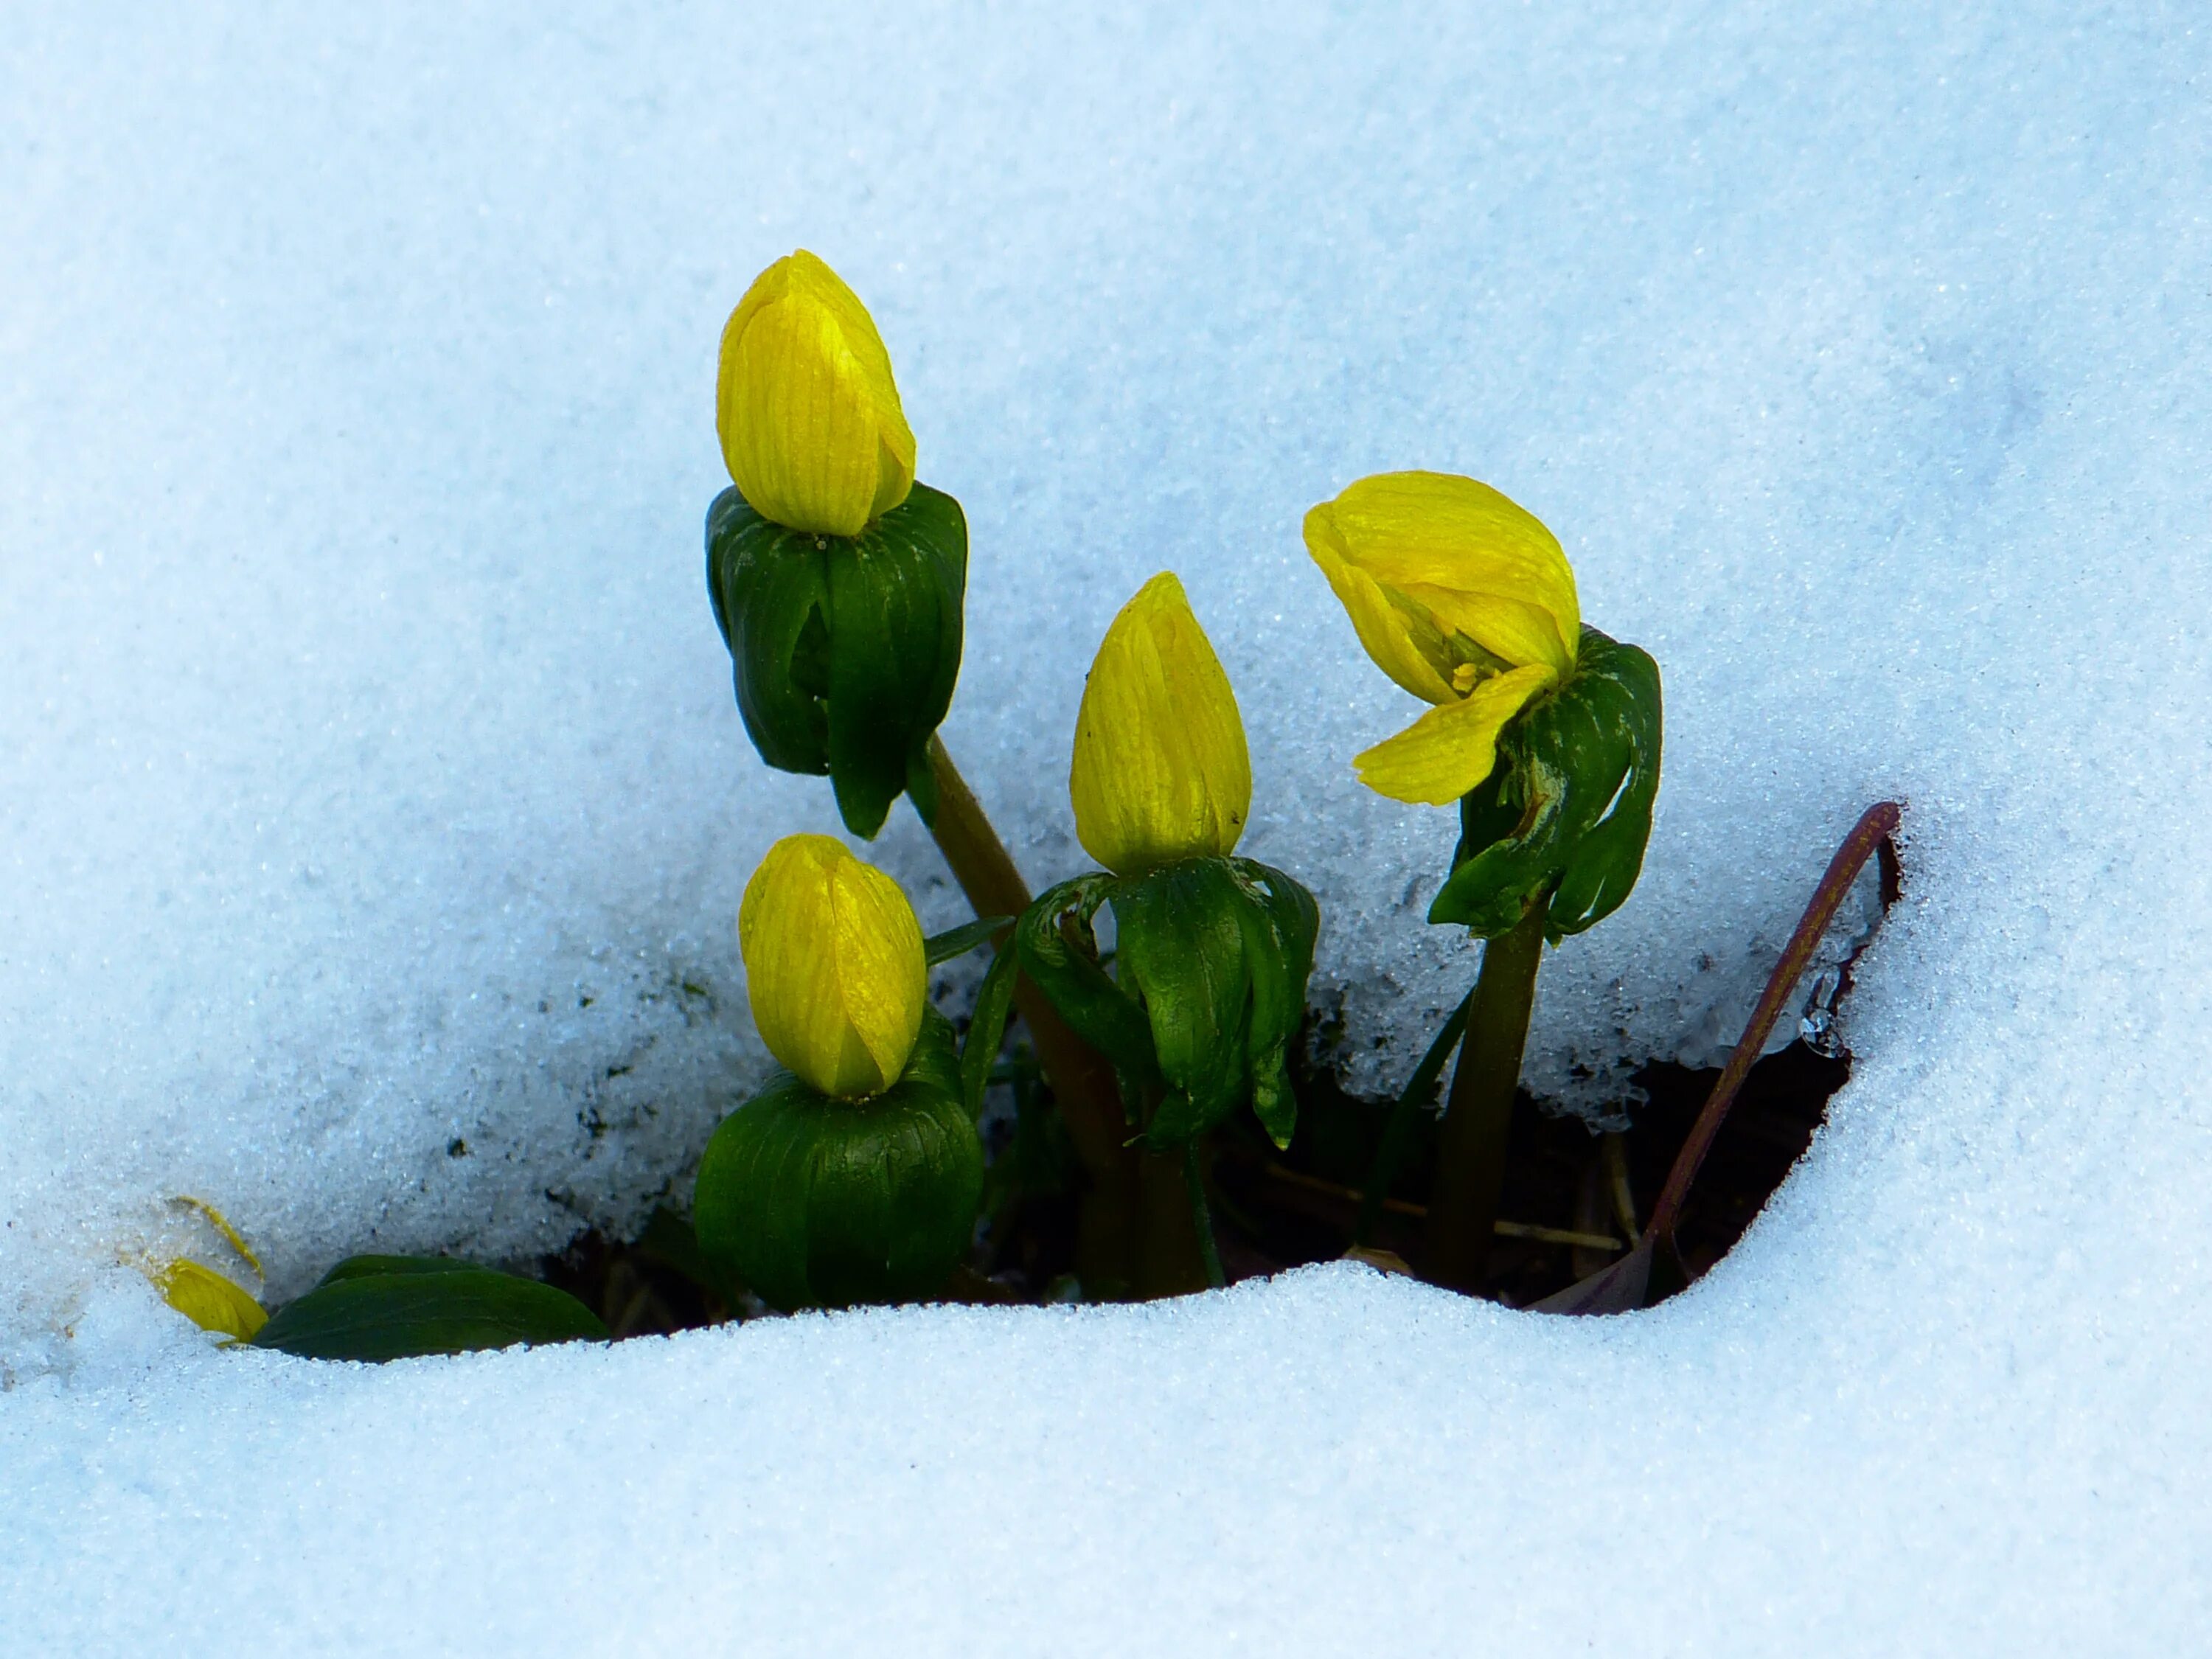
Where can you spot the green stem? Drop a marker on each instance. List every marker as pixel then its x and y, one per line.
pixel 1082 1081
pixel 1479 1117
pixel 1201 1218
pixel 1391 1153
pixel 1168 1259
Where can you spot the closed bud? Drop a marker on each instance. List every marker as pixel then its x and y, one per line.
pixel 807 412
pixel 1160 771
pixel 837 580
pixel 834 966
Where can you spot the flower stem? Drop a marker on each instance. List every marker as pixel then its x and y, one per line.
pixel 1471 1145
pixel 1390 1152
pixel 1201 1218
pixel 1082 1080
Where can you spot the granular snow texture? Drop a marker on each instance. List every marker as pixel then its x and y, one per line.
pixel 374 806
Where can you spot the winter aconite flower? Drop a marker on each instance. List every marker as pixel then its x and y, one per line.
pixel 855 1175
pixel 837 582
pixel 1212 952
pixel 834 966
pixel 808 414
pixel 1462 597
pixel 1545 733
pixel 1160 771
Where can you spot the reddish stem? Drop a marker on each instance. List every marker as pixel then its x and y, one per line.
pixel 1874 829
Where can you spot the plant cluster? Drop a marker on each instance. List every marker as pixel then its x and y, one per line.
pixel 839 583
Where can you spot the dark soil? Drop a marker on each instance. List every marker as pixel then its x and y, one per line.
pixel 1277 1210
pixel 1299 1206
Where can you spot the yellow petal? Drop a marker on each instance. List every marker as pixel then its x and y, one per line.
pixel 1474 561
pixel 1450 750
pixel 210 1301
pixel 217 1220
pixel 1160 771
pixel 1384 630
pixel 809 415
pixel 833 966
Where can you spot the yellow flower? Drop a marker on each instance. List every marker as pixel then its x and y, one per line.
pixel 833 966
pixel 1462 598
pixel 210 1301
pixel 1161 773
pixel 809 418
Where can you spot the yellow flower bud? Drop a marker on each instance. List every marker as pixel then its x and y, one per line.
pixel 833 966
pixel 1462 598
pixel 810 419
pixel 1161 773
pixel 210 1301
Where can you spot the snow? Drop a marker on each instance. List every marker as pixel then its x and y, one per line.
pixel 374 807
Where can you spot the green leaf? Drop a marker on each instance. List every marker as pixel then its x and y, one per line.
pixel 959 941
pixel 845 650
pixel 994 1001
pixel 1180 937
pixel 1212 958
pixel 1068 972
pixel 895 635
pixel 1624 696
pixel 1281 923
pixel 935 1063
pixel 816 1202
pixel 375 1266
pixel 770 587
pixel 423 1307
pixel 1568 807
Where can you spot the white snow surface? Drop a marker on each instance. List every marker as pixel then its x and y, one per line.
pixel 374 806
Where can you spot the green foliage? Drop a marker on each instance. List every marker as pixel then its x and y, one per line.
pixel 844 650
pixel 1039 1161
pixel 380 1266
pixel 1213 956
pixel 959 941
pixel 1568 806
pixel 994 1001
pixel 818 1202
pixel 388 1307
pixel 1059 952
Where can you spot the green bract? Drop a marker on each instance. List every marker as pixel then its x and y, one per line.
pixel 1568 806
pixel 846 648
pixel 817 1202
pixel 395 1307
pixel 1212 958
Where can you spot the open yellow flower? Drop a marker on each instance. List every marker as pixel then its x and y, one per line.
pixel 1462 597
pixel 833 966
pixel 809 417
pixel 1160 772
